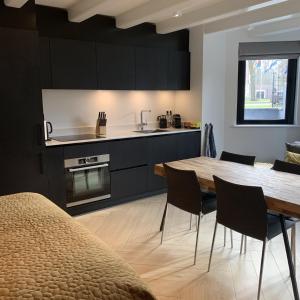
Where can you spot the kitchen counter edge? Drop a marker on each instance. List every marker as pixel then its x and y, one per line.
pixel 120 136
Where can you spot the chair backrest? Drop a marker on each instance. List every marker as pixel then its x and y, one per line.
pixel 241 208
pixel 238 158
pixel 287 167
pixel 183 189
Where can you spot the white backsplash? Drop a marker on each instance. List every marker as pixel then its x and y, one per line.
pixel 76 111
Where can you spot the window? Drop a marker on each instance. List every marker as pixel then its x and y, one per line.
pixel 266 91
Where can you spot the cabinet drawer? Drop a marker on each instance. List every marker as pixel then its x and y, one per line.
pixel 128 153
pixel 155 183
pixel 162 149
pixel 130 182
pixel 76 151
pixel 189 145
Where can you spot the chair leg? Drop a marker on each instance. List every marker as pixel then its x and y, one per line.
pixel 224 236
pixel 293 245
pixel 245 244
pixel 261 268
pixel 231 239
pixel 212 246
pixel 242 241
pixel 163 218
pixel 191 219
pixel 196 246
pixel 164 223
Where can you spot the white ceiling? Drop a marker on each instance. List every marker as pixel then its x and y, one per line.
pixel 213 15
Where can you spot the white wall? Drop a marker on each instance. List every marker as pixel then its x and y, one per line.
pixel 189 102
pixel 78 110
pixel 220 99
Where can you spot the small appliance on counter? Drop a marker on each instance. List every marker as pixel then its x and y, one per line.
pixel 48 129
pixel 162 120
pixel 101 125
pixel 176 121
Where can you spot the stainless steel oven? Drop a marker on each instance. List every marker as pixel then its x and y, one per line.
pixel 87 179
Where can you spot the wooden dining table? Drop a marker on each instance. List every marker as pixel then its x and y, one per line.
pixel 281 190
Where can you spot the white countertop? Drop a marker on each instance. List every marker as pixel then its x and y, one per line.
pixel 115 134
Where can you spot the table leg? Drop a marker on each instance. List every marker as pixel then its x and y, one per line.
pixel 163 218
pixel 289 258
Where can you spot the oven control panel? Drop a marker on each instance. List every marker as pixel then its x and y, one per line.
pixel 75 162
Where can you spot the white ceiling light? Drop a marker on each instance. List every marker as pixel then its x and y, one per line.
pixel 177 14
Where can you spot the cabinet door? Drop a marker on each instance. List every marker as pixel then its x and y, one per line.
pixel 129 182
pixel 54 170
pixel 162 149
pixel 178 70
pixel 73 64
pixel 128 153
pixel 21 113
pixel 151 69
pixel 155 183
pixel 116 67
pixel 45 68
pixel 189 145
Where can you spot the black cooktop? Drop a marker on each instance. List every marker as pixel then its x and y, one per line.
pixel 79 137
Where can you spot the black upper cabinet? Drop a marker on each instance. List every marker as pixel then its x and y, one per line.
pixel 178 70
pixel 116 67
pixel 74 64
pixel 45 68
pixel 151 69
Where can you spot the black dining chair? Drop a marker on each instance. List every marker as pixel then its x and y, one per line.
pixel 243 209
pixel 287 167
pixel 185 193
pixel 240 159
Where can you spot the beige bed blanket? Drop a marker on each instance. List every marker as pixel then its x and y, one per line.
pixel 45 254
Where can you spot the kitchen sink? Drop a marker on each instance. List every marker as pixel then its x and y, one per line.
pixel 150 131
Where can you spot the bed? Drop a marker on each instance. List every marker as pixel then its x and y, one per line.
pixel 45 254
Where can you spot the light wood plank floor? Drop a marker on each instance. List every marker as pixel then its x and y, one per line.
pixel 133 231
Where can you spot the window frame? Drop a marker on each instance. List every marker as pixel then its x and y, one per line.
pixel 290 95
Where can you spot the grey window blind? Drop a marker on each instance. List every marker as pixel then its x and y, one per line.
pixel 259 50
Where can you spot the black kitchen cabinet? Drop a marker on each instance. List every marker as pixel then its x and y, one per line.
pixel 85 150
pixel 155 183
pixel 128 153
pixel 151 69
pixel 129 182
pixel 162 148
pixel 54 168
pixel 73 64
pixel 188 145
pixel 178 70
pixel 116 67
pixel 22 116
pixel 45 67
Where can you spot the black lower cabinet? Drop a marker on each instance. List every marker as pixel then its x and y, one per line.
pixel 23 173
pixel 131 166
pixel 155 183
pixel 188 145
pixel 54 167
pixel 129 182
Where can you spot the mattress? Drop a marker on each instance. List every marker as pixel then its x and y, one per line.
pixel 45 254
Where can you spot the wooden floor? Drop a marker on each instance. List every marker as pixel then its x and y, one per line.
pixel 133 231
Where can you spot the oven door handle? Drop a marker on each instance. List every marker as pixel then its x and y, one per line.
pixel 88 168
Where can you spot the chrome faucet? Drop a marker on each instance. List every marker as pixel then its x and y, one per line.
pixel 142 124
